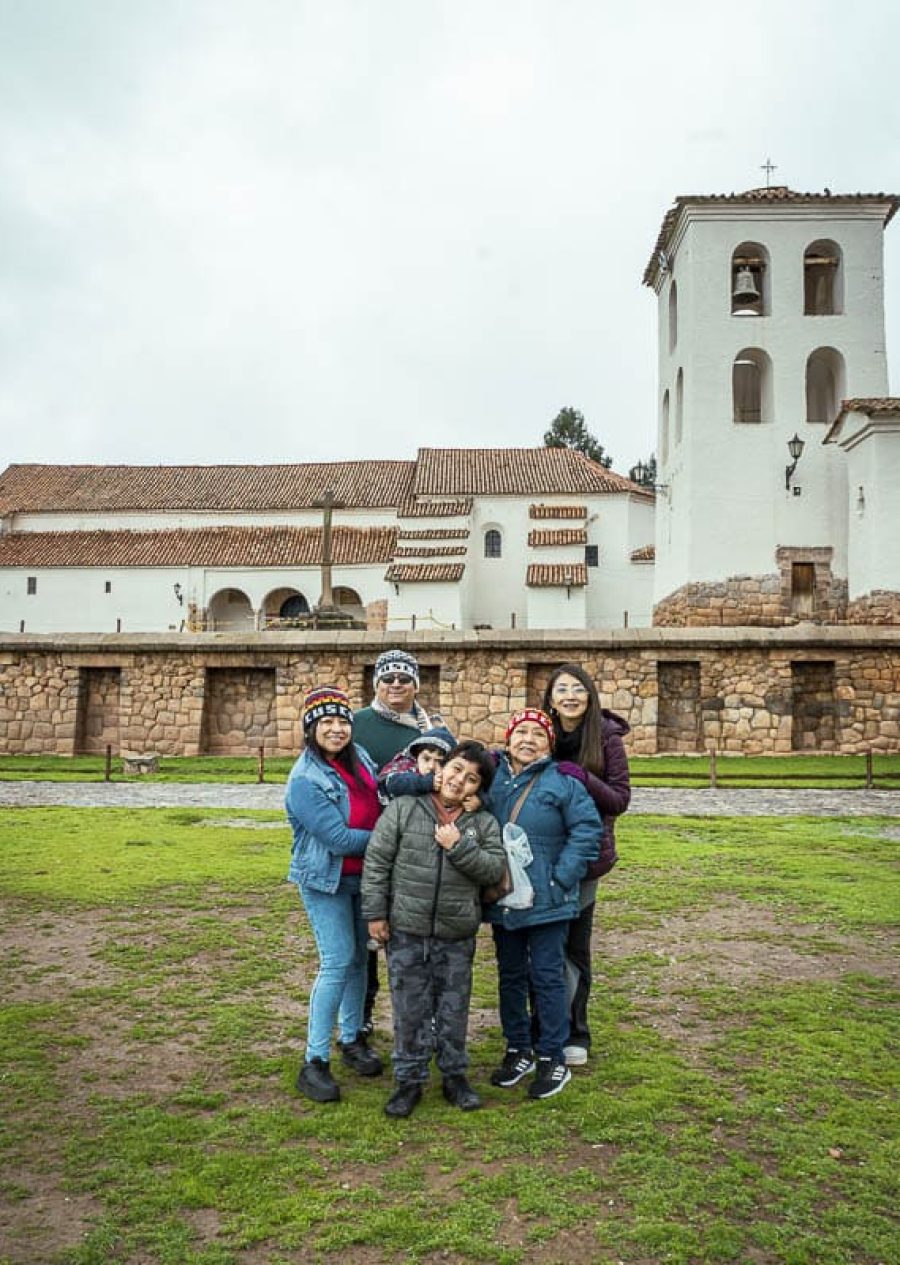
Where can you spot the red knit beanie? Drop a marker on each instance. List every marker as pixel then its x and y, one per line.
pixel 538 717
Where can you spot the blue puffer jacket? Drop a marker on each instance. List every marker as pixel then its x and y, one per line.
pixel 564 830
pixel 318 808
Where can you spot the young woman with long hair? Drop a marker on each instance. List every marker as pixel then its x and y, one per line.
pixel 588 747
pixel 332 804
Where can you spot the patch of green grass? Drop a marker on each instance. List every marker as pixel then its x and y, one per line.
pixel 152 1072
pixel 829 771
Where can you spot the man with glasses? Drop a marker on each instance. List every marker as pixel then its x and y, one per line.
pixel 385 728
pixel 394 717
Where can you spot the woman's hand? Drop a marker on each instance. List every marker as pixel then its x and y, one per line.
pixel 447 835
pixel 380 930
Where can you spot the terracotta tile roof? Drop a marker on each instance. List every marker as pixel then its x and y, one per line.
pixel 204 547
pixel 778 193
pixel 434 533
pixel 561 536
pixel 647 553
pixel 512 472
pixel 428 572
pixel 872 405
pixel 553 575
pixel 429 551
pixel 358 484
pixel 557 511
pixel 437 509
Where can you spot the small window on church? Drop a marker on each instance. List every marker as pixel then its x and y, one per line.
pixel 673 316
pixel 493 545
pixel 664 429
pixel 751 386
pixel 824 384
pixel 592 555
pixel 31 585
pixel 822 279
pixel 107 586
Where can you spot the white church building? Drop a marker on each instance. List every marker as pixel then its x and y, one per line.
pixel 778 446
pixel 531 538
pixel 778 499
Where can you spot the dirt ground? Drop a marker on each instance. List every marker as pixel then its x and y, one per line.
pixel 736 944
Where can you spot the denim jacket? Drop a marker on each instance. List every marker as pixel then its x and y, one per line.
pixel 564 830
pixel 318 808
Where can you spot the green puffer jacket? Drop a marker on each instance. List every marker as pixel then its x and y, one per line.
pixel 418 886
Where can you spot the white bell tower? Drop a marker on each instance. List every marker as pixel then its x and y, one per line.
pixel 771 313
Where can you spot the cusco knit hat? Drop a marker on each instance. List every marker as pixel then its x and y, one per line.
pixel 396 661
pixel 537 716
pixel 325 700
pixel 438 737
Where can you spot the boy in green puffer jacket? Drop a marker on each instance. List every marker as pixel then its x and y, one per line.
pixel 425 865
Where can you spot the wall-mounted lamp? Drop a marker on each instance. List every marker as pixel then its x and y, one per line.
pixel 179 595
pixel 568 580
pixel 795 448
pixel 861 501
pixel 642 477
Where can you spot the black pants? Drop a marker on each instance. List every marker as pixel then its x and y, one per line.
pixel 372 986
pixel 578 975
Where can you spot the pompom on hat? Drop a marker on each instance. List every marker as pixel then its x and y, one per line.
pixel 535 715
pixel 396 661
pixel 325 700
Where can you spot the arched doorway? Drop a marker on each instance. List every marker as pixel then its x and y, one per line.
pixel 230 611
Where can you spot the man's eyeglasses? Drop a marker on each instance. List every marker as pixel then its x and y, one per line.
pixel 576 691
pixel 396 678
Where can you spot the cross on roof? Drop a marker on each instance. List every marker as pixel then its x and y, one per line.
pixel 768 167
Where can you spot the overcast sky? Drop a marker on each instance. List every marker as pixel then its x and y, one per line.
pixel 285 230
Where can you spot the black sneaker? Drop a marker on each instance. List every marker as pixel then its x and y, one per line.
pixel 404 1099
pixel 459 1093
pixel 356 1054
pixel 316 1082
pixel 368 1027
pixel 516 1064
pixel 550 1079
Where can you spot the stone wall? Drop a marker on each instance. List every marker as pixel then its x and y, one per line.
pixel 736 689
pixel 878 607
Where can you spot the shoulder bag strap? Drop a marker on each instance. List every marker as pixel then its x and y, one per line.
pixel 517 806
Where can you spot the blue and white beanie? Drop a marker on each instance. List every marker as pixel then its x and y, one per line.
pixel 396 661
pixel 439 737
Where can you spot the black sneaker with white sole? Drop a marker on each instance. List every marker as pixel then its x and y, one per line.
pixel 550 1079
pixel 515 1065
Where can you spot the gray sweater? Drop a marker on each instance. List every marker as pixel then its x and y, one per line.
pixel 418 886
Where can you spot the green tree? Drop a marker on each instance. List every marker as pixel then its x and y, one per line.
pixel 644 472
pixel 569 430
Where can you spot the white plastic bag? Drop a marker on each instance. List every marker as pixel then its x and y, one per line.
pixel 518 857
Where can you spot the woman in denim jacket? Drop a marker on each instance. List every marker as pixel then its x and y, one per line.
pixel 332 804
pixel 564 831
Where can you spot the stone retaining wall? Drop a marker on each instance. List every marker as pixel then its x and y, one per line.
pixel 739 690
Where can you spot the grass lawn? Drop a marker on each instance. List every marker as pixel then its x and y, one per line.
pixel 829 771
pixel 739 1105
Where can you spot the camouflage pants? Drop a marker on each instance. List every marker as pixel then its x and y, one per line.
pixel 431 984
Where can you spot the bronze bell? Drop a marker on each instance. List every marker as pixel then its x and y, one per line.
pixel 745 290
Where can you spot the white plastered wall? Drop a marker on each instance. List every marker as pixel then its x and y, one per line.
pixel 727 509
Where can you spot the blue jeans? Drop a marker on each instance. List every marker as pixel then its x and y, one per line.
pixel 535 955
pixel 340 986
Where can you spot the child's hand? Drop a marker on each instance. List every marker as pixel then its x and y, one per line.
pixel 447 835
pixel 380 930
pixel 472 803
pixel 437 777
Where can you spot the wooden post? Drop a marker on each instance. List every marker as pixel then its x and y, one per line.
pixel 870 776
pixel 713 773
pixel 261 764
pixel 107 764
